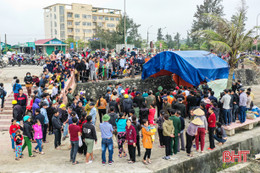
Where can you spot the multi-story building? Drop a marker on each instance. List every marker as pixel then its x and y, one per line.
pixel 78 21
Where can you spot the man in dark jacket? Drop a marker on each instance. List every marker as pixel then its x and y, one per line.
pixel 127 104
pixel 57 127
pixel 17 111
pixel 138 99
pixel 89 135
pixel 22 99
pixel 28 80
pixel 180 106
pixel 27 134
pixel 39 116
pixel 113 117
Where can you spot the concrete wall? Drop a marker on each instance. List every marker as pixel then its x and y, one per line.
pixel 93 90
pixel 212 161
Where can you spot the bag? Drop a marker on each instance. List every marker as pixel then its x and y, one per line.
pixel 80 142
pixel 250 116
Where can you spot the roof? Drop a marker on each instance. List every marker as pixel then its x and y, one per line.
pixel 43 41
pixel 192 66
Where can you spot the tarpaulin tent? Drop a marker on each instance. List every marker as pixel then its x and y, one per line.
pixel 191 66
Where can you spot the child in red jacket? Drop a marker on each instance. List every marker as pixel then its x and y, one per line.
pixel 13 128
pixel 18 141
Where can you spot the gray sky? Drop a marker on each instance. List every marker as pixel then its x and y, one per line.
pixel 22 20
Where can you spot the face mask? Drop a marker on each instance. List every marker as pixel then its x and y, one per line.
pixel 28 75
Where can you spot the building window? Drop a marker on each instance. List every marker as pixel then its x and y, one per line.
pixel 77 16
pixel 62 34
pixel 94 17
pixel 106 18
pixel 77 38
pixel 100 17
pixel 55 32
pixel 111 25
pixel 117 19
pixel 84 16
pixel 62 26
pixel 87 30
pixel 54 16
pixel 69 23
pixel 54 9
pixel 77 23
pixel 88 16
pixel 61 18
pixel 86 23
pixel 100 24
pixel 69 15
pixel 70 30
pixel 55 24
pixel 61 10
pixel 111 18
pixel 77 30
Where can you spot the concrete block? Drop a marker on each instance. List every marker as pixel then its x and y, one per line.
pixel 230 132
pixel 249 126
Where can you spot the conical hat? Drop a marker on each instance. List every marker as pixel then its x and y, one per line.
pixel 198 112
pixel 197 121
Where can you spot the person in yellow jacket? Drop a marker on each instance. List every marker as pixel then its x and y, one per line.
pixel 147 142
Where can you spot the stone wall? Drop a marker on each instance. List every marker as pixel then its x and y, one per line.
pixel 93 90
pixel 248 76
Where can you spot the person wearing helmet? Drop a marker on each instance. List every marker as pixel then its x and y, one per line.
pixel 17 111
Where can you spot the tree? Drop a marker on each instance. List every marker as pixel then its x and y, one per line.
pixel 81 44
pixel 188 40
pixel 159 34
pixel 164 45
pixel 169 41
pixel 202 21
pixel 230 37
pixel 177 38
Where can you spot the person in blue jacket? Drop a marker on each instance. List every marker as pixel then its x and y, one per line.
pixel 16 88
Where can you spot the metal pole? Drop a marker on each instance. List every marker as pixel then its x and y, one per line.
pixel 125 22
pixel 148 35
pixel 257 31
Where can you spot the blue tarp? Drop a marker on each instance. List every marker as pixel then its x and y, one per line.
pixel 192 66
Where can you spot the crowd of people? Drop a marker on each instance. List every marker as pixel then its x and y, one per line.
pixel 123 113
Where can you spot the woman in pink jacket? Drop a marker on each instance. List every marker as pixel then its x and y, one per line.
pixel 37 127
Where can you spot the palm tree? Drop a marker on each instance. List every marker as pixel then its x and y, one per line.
pixel 230 37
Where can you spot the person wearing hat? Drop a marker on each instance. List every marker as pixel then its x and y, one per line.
pixel 226 100
pixel 17 111
pixel 202 129
pixel 127 104
pixel 27 134
pixel 242 105
pixel 93 112
pixel 46 120
pixel 107 141
pixel 166 105
pixel 158 100
pixel 89 135
pixel 191 133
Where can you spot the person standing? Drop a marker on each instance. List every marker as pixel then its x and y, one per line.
pixel 89 135
pixel 37 128
pixel 2 96
pixel 168 134
pixel 166 105
pixel 137 127
pixel 131 140
pixel 177 128
pixel 107 141
pixel 242 105
pixel 17 111
pixel 101 105
pixel 22 99
pixel 202 129
pixel 147 142
pixel 46 120
pixel 212 126
pixel 93 113
pixel 12 130
pixel 57 127
pixel 75 133
pixel 191 133
pixel 235 106
pixel 17 86
pixel 225 100
pixel 70 97
pixel 160 121
pixel 28 80
pixel 27 133
pixel 121 134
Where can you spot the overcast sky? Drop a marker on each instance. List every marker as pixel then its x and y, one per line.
pixel 22 20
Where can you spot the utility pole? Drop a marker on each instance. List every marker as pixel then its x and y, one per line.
pixel 125 23
pixel 148 35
